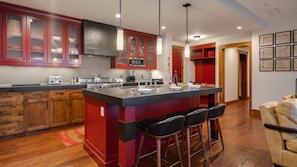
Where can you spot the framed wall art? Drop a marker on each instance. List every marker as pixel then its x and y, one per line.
pixel 283 37
pixel 266 40
pixel 295 64
pixel 283 51
pixel 295 50
pixel 283 65
pixel 266 53
pixel 295 36
pixel 266 65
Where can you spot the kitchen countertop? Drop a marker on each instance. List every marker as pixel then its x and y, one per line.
pixel 130 96
pixel 38 87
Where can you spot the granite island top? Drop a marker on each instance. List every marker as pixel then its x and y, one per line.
pixel 130 96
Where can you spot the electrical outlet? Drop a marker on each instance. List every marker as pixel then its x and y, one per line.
pixel 102 111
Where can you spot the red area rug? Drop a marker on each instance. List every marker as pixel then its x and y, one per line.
pixel 72 137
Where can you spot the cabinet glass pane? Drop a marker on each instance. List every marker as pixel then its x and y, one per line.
pixel 56 43
pixel 37 40
pixel 141 47
pixel 151 52
pixel 14 37
pixel 73 44
pixel 133 46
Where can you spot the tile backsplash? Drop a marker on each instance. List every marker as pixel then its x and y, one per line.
pixel 90 67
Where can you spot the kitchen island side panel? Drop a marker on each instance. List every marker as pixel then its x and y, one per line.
pixel 101 132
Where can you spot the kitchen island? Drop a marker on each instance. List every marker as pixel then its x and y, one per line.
pixel 111 115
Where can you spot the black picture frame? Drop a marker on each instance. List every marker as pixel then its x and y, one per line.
pixel 294 64
pixel 283 51
pixel 282 37
pixel 266 65
pixel 282 64
pixel 266 40
pixel 294 36
pixel 266 53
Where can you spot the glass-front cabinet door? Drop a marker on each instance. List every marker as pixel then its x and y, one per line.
pixel 14 34
pixel 151 53
pixel 36 51
pixel 73 44
pixel 56 51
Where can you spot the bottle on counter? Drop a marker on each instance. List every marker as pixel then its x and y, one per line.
pixel 175 78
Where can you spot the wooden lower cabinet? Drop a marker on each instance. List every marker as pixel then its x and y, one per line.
pixel 11 113
pixel 76 110
pixel 36 110
pixel 59 107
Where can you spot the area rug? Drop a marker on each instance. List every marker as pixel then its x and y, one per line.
pixel 72 137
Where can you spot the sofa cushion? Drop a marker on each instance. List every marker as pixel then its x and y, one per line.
pixel 291 145
pixel 286 111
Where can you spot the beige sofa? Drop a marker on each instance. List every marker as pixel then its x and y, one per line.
pixel 280 122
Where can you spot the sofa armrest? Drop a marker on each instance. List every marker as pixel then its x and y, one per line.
pixel 280 128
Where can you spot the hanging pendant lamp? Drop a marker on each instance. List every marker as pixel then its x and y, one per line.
pixel 159 38
pixel 120 32
pixel 187 44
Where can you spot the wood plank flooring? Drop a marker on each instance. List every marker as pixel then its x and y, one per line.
pixel 244 137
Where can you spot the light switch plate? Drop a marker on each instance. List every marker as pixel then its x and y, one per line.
pixel 102 111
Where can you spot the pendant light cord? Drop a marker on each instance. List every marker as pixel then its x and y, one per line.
pixel 187 22
pixel 159 17
pixel 120 13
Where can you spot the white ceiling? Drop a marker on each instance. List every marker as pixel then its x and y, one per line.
pixel 207 18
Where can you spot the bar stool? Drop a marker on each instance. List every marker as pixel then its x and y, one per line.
pixel 159 129
pixel 195 119
pixel 214 114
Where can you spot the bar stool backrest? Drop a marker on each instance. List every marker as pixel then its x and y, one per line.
pixel 216 111
pixel 196 117
pixel 167 126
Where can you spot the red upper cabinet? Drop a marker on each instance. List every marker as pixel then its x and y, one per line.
pixel 36 38
pixel 64 44
pixel 205 51
pixel 137 45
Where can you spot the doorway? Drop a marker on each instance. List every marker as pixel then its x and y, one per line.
pixel 242 75
pixel 177 62
pixel 245 62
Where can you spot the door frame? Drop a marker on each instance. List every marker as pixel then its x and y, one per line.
pixel 222 68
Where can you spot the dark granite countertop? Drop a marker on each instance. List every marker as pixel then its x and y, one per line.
pixel 38 87
pixel 130 96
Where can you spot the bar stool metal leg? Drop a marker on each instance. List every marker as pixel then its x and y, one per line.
pixel 139 150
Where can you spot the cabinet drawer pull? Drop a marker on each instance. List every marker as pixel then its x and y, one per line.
pixel 5 122
pixel 5 113
pixel 6 105
pixel 6 96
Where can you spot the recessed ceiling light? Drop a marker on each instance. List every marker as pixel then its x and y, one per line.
pixel 196 37
pixel 239 28
pixel 163 27
pixel 118 15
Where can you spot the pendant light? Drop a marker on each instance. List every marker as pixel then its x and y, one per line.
pixel 159 38
pixel 187 44
pixel 120 32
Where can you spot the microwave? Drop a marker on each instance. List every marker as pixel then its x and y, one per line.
pixel 137 62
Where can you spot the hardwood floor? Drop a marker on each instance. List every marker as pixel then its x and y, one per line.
pixel 244 138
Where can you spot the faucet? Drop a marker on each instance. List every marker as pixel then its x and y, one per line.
pixel 150 77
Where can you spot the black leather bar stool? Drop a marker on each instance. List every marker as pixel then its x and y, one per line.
pixel 214 114
pixel 159 129
pixel 195 119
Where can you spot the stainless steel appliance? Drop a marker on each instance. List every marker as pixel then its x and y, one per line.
pixel 55 80
pixel 104 82
pixel 137 62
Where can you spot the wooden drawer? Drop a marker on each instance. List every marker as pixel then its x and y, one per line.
pixel 36 95
pixel 77 93
pixel 10 109
pixel 15 97
pixel 58 93
pixel 12 125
